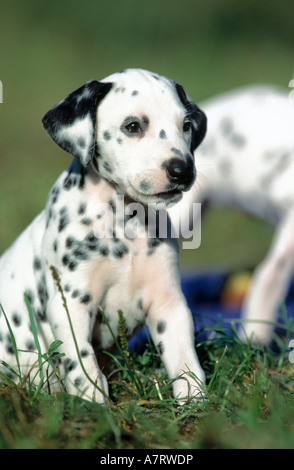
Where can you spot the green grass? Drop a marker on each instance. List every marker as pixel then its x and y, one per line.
pixel 249 403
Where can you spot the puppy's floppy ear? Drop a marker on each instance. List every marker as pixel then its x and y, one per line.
pixel 72 122
pixel 198 117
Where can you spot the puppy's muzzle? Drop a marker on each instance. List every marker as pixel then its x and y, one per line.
pixel 180 172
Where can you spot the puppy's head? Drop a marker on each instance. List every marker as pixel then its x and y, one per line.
pixel 136 129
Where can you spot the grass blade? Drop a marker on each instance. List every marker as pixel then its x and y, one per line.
pixel 37 343
pixel 15 350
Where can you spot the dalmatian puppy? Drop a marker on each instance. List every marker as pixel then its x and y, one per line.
pixel 132 136
pixel 247 162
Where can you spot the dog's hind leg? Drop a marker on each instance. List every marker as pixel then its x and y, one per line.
pixel 269 285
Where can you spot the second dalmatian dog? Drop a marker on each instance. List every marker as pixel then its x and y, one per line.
pixel 247 162
pixel 132 136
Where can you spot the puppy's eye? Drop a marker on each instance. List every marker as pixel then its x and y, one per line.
pixel 187 126
pixel 133 127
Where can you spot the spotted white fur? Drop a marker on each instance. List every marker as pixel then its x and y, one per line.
pixel 132 136
pixel 247 162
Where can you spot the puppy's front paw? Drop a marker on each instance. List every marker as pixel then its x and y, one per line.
pixel 188 386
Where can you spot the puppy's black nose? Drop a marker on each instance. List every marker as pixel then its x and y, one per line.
pixel 181 172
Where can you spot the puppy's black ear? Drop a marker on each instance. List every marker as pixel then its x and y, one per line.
pixel 72 122
pixel 198 117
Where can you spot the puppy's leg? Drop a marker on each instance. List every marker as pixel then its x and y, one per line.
pixel 269 285
pixel 172 329
pixel 88 380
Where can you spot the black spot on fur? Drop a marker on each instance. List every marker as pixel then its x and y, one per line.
pixel 153 243
pixel 16 318
pixel 84 353
pixel 107 167
pixel 92 242
pixel 161 327
pixel 107 135
pixel 65 260
pixel 145 185
pixel 41 314
pixel 69 365
pixel 72 365
pixel 176 152
pixel 49 217
pixel 104 250
pixel 226 126
pixel 30 296
pixel 238 140
pixel 227 129
pixel 120 250
pixel 68 182
pixel 54 194
pixel 140 304
pixel 86 221
pixel 81 253
pixel 69 242
pixel 64 219
pixel 81 142
pixel 78 381
pixel 30 345
pixel 72 266
pixel 162 134
pixel 42 292
pixel 37 264
pixel 85 299
pixel 8 346
pixel 82 208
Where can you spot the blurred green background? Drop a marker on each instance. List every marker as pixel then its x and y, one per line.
pixel 48 49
